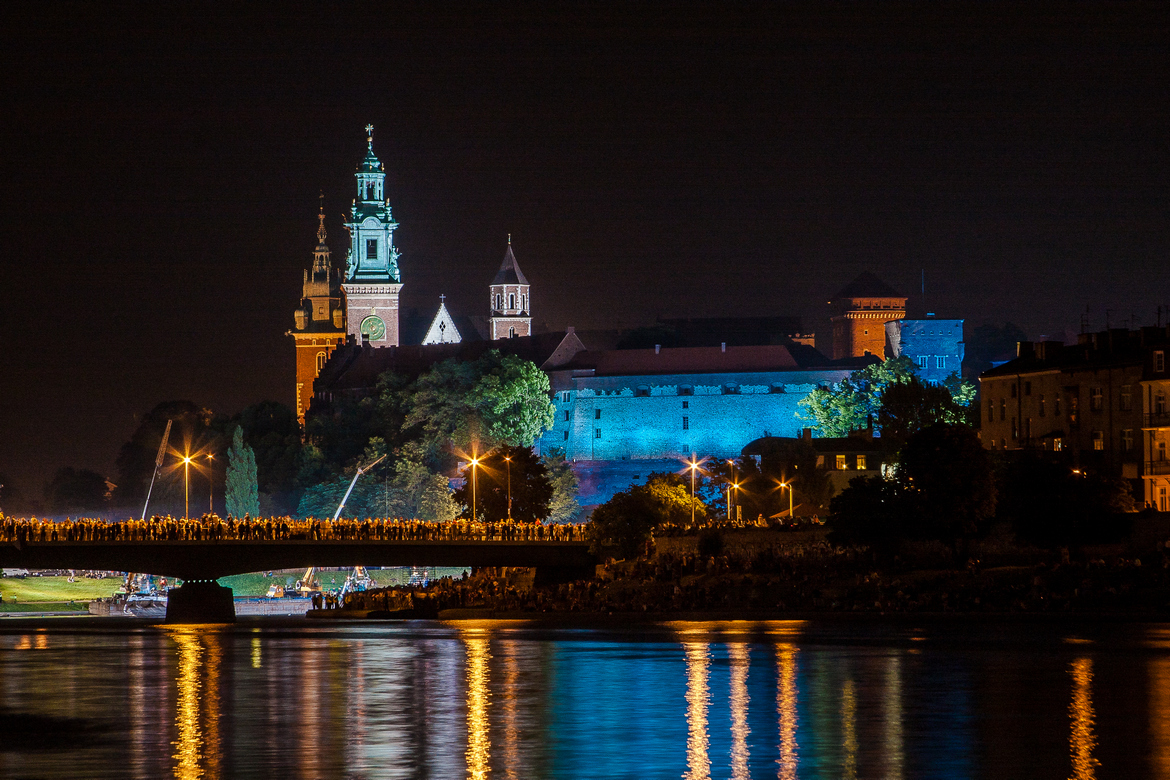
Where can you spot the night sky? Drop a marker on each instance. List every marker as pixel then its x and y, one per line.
pixel 161 167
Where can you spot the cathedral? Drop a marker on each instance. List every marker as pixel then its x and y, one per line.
pixel 359 305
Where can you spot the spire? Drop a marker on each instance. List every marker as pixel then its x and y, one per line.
pixel 321 221
pixel 509 272
pixel 371 161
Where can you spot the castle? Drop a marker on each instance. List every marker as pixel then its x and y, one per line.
pixel 627 404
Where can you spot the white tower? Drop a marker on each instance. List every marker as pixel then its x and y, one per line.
pixel 372 281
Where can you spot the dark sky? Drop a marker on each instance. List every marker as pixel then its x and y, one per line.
pixel 160 170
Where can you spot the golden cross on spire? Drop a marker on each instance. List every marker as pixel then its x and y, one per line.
pixel 370 136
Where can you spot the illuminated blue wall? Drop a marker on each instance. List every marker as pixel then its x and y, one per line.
pixel 935 346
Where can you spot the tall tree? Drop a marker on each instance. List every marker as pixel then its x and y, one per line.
pixel 910 406
pixel 563 507
pixel 242 494
pixel 854 402
pixel 73 490
pixel 531 491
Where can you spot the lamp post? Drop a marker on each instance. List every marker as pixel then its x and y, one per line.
pixel 186 487
pixel 694 467
pixel 474 463
pixel 210 485
pixel 508 460
pixel 788 485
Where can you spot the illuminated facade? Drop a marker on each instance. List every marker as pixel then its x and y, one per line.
pixel 935 346
pixel 372 280
pixel 511 316
pixel 319 322
pixel 861 310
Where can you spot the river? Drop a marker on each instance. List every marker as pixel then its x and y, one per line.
pixel 822 699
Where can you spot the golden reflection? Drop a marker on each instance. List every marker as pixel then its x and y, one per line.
pixel 511 694
pixel 698 764
pixel 1081 738
pixel 786 709
pixel 42 640
pixel 25 643
pixel 478 700
pixel 257 658
pixel 197 708
pixel 849 730
pixel 892 707
pixel 1160 716
pixel 740 658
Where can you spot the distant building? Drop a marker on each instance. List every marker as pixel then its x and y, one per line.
pixel 1100 403
pixel 843 457
pixel 511 316
pixel 935 346
pixel 860 311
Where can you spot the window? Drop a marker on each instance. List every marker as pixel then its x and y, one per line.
pixel 642 391
pixel 922 361
pixel 1015 430
pixel 731 389
pixel 861 463
pixel 686 404
pixel 1028 428
pixel 1041 404
pixel 1096 399
pixel 1027 388
pixel 596 414
pixel 1056 405
pixel 1127 440
pixel 1126 402
pixel 1160 403
pixel 1098 440
pixel 566 415
pixel 820 461
pixel 940 361
pixel 840 463
pixel 597 433
pixel 1160 364
pixel 511 333
pixel 1003 444
pixel 1162 505
pixel 511 300
pixel 565 396
pixel 371 249
pixel 1073 405
pixel 1057 444
pixel 320 361
pixel 499 301
pixel 1002 409
pixel 686 423
pixel 524 305
pixel 566 435
pixel 1162 450
pixel 990 410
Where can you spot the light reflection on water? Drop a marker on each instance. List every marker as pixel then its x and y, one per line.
pixel 509 700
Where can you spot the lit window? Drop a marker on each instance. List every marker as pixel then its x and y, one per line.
pixel 1096 399
pixel 320 361
pixel 371 249
pixel 1098 440
pixel 686 423
pixel 922 359
pixel 1015 430
pixel 1161 450
pixel 597 433
pixel 840 463
pixel 820 461
pixel 1057 444
pixel 1002 409
pixel 1160 403
pixel 861 463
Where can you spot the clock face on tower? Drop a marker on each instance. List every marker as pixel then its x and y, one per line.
pixel 374 328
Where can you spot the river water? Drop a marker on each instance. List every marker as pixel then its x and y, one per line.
pixel 840 699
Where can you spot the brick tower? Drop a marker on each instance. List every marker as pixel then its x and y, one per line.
pixel 509 290
pixel 372 282
pixel 860 311
pixel 319 320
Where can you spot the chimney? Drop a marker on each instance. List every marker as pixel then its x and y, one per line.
pixel 1023 349
pixel 657 348
pixel 806 434
pixel 723 346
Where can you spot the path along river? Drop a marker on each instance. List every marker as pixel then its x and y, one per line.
pixel 836 699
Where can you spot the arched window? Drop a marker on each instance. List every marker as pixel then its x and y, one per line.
pixel 511 301
pixel 370 191
pixel 499 302
pixel 321 357
pixel 511 333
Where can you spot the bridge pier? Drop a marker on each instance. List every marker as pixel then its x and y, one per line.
pixel 201 601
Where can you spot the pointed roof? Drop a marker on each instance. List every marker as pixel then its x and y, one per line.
pixel 371 163
pixel 868 286
pixel 509 272
pixel 443 329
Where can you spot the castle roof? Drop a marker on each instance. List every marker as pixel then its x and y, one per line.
pixel 867 286
pixel 708 360
pixel 509 272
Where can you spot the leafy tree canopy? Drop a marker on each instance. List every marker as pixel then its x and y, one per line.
pixel 72 490
pixel 241 492
pixel 531 489
pixel 628 519
pixel 563 507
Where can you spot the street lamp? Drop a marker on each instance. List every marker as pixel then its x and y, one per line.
pixel 186 487
pixel 694 467
pixel 508 459
pixel 474 464
pixel 210 485
pixel 788 485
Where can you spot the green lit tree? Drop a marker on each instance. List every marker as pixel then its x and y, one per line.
pixel 242 492
pixel 563 507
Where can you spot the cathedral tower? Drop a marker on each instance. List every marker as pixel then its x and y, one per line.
pixel 372 282
pixel 509 290
pixel 861 310
pixel 319 320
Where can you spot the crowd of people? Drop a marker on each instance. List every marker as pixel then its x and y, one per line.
pixel 213 528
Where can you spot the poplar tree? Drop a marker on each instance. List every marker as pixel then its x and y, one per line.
pixel 242 491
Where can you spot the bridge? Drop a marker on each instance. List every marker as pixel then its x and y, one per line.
pixel 200 563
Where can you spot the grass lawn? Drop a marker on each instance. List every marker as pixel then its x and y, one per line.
pixel 45 606
pixel 55 589
pixel 253 585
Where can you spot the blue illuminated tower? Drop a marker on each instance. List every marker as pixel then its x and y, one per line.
pixel 372 281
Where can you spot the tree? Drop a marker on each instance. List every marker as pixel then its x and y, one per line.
pixel 72 490
pixel 910 406
pixel 854 402
pixel 563 507
pixel 242 494
pixel 193 428
pixel 872 511
pixel 950 471
pixel 780 461
pixel 531 490
pixel 1050 504
pixel 272 431
pixel 628 519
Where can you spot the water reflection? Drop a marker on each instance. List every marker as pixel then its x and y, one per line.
pixel 786 708
pixel 1160 717
pixel 1082 739
pixel 892 712
pixel 478 700
pixel 197 704
pixel 698 763
pixel 740 658
pixel 849 730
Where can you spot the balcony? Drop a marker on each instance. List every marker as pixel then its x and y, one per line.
pixel 1156 420
pixel 1157 468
